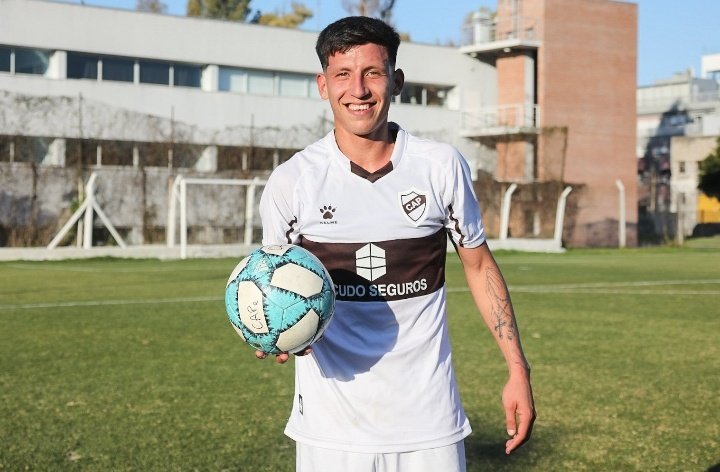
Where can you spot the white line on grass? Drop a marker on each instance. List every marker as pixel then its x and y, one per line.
pixel 23 306
pixel 107 268
pixel 598 288
pixel 610 288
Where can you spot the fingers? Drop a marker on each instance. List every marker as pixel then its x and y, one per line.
pixel 510 421
pixel 284 356
pixel 279 358
pixel 520 430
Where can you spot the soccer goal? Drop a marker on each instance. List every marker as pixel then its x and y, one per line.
pixel 178 207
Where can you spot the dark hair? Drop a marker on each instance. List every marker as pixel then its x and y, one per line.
pixel 345 34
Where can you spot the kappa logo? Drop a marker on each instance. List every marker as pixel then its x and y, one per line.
pixel 370 262
pixel 414 204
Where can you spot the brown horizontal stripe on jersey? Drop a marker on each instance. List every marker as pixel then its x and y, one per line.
pixel 414 267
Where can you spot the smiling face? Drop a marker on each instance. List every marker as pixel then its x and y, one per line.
pixel 359 85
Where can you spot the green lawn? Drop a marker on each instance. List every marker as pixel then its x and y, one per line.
pixel 131 365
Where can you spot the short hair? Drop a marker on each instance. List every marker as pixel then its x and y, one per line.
pixel 345 34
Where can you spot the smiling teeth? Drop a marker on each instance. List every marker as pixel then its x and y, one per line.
pixel 359 107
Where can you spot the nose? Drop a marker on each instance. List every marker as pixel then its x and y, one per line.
pixel 358 89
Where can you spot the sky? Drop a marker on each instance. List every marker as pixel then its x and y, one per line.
pixel 672 34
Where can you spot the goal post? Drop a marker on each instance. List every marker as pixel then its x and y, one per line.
pixel 179 198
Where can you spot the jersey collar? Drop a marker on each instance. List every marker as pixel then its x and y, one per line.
pixel 398 151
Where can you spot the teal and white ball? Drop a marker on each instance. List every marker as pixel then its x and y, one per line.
pixel 280 298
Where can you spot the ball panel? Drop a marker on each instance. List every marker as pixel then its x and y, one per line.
pixel 277 249
pixel 236 271
pixel 297 279
pixel 239 332
pixel 324 304
pixel 282 299
pixel 299 336
pixel 250 307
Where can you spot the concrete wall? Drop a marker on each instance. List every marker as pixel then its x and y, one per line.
pixel 37 200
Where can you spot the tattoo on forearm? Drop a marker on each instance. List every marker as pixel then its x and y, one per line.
pixel 500 304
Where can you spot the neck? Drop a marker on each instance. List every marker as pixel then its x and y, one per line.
pixel 369 152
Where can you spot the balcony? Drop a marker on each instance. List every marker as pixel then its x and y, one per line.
pixel 485 36
pixel 491 123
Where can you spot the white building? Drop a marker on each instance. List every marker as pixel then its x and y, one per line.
pixel 682 105
pixel 95 89
pixel 711 66
pixel 218 82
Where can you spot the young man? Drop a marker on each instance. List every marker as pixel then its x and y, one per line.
pixel 376 205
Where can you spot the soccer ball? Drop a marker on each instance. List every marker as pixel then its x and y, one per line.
pixel 280 298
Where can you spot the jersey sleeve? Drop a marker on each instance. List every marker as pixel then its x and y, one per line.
pixel 279 221
pixel 463 218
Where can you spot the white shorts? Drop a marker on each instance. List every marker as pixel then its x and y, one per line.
pixel 316 459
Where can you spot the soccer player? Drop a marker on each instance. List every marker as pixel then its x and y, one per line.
pixel 377 206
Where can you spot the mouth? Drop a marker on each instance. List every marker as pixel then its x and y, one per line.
pixel 358 106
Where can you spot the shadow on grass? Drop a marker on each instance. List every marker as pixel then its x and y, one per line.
pixel 714 468
pixel 486 451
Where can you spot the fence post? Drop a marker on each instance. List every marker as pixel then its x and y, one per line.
pixel 621 217
pixel 560 216
pixel 505 212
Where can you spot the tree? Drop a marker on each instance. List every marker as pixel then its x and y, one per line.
pixel 236 10
pixel 299 14
pixel 710 173
pixel 152 6
pixel 381 9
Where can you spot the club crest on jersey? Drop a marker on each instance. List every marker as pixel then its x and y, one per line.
pixel 414 204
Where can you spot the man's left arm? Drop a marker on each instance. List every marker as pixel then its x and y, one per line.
pixel 492 298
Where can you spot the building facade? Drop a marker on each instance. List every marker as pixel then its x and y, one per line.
pixel 680 106
pixel 565 112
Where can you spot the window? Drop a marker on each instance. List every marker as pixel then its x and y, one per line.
pixel 152 72
pixel 260 83
pixel 82 66
pixel 186 75
pixel 435 96
pixel 5 53
pixel 293 85
pixel 428 95
pixel 117 153
pixel 80 152
pixel 30 149
pixel 232 80
pixel 7 149
pixel 153 154
pixel 412 94
pixel 117 69
pixel 31 61
pixel 681 167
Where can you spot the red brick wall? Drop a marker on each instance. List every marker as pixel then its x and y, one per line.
pixel 587 82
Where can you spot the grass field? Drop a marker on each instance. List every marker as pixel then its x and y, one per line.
pixel 131 365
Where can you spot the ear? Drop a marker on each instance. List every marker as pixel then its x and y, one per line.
pixel 398 81
pixel 322 85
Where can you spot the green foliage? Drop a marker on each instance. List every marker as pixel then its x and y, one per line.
pixel 132 365
pixel 710 173
pixel 300 13
pixel 381 9
pixel 235 10
pixel 152 6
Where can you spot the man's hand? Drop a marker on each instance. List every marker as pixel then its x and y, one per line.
pixel 517 399
pixel 283 357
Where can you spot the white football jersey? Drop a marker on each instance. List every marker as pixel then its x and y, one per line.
pixel 381 379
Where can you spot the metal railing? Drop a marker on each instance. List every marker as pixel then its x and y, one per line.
pixel 484 29
pixel 502 116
